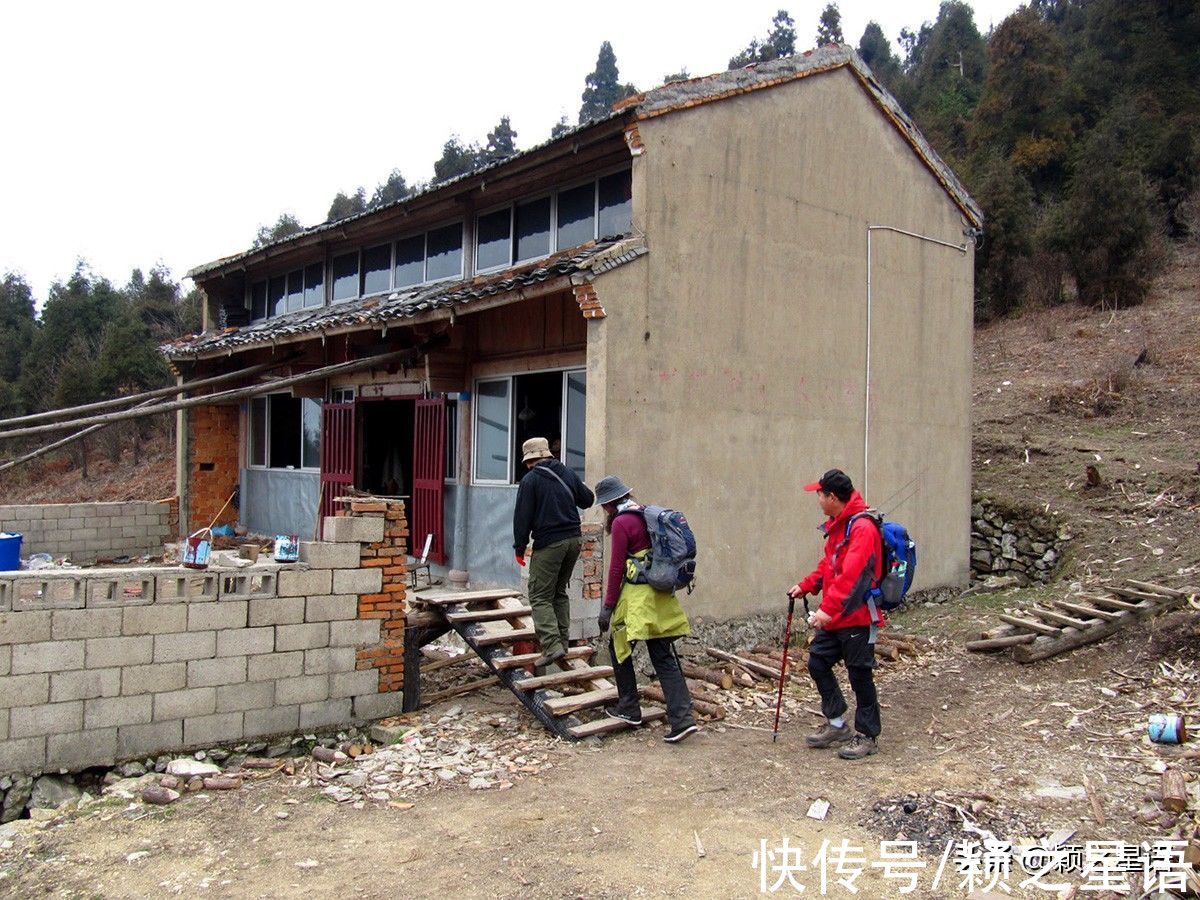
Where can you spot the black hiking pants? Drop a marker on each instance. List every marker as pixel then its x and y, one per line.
pixel 670 679
pixel 854 647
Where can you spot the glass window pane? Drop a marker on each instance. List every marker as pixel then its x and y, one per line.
pixel 345 276
pixel 494 239
pixel 295 290
pixel 616 205
pixel 491 431
pixel 258 300
pixel 258 428
pixel 284 423
pixel 444 253
pixel 277 296
pixel 451 469
pixel 576 216
pixel 376 269
pixel 573 446
pixel 533 229
pixel 410 261
pixel 314 285
pixel 310 426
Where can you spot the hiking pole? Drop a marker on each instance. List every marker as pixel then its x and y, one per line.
pixel 787 642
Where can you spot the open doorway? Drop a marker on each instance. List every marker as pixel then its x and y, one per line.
pixel 386 467
pixel 537 412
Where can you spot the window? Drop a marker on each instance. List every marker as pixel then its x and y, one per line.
pixel 491 431
pixel 285 432
pixel 493 240
pixel 615 204
pixel 376 270
pixel 277 296
pixel 532 229
pixel 444 253
pixel 410 261
pixel 573 432
pixel 451 441
pixel 258 300
pixel 509 411
pixel 314 285
pixel 295 290
pixel 577 216
pixel 288 293
pixel 345 276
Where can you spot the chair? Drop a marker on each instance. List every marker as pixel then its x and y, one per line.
pixel 422 564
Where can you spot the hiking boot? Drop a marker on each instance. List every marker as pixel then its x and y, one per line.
pixel 676 735
pixel 546 658
pixel 828 736
pixel 631 718
pixel 860 747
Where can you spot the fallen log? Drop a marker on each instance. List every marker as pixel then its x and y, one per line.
pixel 700 687
pixel 328 755
pixel 1174 790
pixel 712 710
pixel 749 665
pixel 1000 643
pixel 222 783
pixel 722 680
pixel 883 651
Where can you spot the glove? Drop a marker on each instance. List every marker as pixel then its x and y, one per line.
pixel 604 618
pixel 521 560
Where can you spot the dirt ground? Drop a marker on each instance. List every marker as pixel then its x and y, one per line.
pixel 1021 750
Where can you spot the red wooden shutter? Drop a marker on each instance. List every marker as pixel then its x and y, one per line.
pixel 338 455
pixel 429 473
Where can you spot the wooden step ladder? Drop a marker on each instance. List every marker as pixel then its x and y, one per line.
pixel 1040 632
pixel 489 622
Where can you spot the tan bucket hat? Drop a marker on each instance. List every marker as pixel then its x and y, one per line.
pixel 535 448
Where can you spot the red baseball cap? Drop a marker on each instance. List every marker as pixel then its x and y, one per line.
pixel 834 481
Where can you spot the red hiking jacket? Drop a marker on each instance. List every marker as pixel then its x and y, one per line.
pixel 848 568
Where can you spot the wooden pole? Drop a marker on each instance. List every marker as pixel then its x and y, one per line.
pixel 712 710
pixel 748 664
pixel 723 680
pixel 62 442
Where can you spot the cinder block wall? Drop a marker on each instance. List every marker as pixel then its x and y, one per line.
pixel 101 665
pixel 85 532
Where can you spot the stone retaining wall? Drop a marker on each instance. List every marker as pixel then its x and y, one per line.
pixel 1005 541
pixel 85 532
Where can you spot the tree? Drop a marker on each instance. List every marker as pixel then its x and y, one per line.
pixel 17 324
pixel 347 205
pixel 682 75
pixel 779 42
pixel 457 159
pixel 561 127
pixel 1008 207
pixel 829 26
pixel 876 51
pixel 602 87
pixel 501 143
pixel 128 360
pixel 285 226
pixel 393 188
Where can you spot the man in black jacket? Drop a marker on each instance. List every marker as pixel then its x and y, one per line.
pixel 548 504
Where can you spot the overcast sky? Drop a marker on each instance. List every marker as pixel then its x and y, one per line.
pixel 139 133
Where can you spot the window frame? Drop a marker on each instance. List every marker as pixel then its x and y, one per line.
pixel 453 430
pixel 266 465
pixel 475 479
pixel 391 270
pixel 462 250
pixel 357 254
pixel 553 197
pixel 512 214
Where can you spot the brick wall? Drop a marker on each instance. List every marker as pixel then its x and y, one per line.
pixel 85 532
pixel 212 464
pixel 102 665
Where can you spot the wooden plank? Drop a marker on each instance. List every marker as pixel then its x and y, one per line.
pixel 566 676
pixel 526 659
pixel 465 597
pixel 488 615
pixel 1030 625
pixel 1089 611
pixel 1135 594
pixel 1049 615
pixel 1182 593
pixel 1109 602
pixel 503 637
pixel 604 725
pixel 562 706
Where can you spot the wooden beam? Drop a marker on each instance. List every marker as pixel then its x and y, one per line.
pixel 1001 643
pixel 465 597
pixel 566 676
pixel 604 725
pixel 1109 602
pixel 1049 615
pixel 504 637
pixel 1089 612
pixel 1030 625
pixel 1135 594
pixel 489 615
pixel 562 706
pixel 527 659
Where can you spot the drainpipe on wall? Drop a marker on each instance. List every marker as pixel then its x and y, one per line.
pixel 871 229
pixel 181 463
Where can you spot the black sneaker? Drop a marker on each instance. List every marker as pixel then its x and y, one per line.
pixel 633 719
pixel 677 735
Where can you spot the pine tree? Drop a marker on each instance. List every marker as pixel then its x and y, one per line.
pixel 779 42
pixel 501 143
pixel 285 226
pixel 561 127
pixel 829 27
pixel 347 205
pixel 876 51
pixel 457 159
pixel 392 189
pixel 603 87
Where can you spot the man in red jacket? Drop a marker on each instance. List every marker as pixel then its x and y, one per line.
pixel 846 620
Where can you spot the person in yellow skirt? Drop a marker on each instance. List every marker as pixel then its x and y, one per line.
pixel 637 612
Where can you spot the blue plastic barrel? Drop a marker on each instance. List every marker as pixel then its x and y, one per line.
pixel 10 551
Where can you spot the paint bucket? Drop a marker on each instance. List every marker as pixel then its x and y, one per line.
pixel 196 549
pixel 287 548
pixel 1167 729
pixel 10 551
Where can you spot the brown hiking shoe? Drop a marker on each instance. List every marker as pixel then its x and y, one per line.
pixel 828 736
pixel 546 658
pixel 859 748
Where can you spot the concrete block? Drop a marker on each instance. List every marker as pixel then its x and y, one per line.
pixel 24 690
pixel 302 637
pixel 326 660
pixel 212 672
pixel 160 618
pixel 301 583
pixel 378 706
pixel 238 697
pixel 6 595
pixel 277 611
pixel 344 529
pixel 358 581
pixel 352 684
pixel 216 729
pixel 332 608
pixel 326 714
pixel 146 740
pixel 82 750
pixel 246 585
pixel 104 712
pixel 305 689
pixel 131 590
pixel 103 653
pixel 51 592
pixel 48 718
pixel 84 685
pixel 196 587
pixel 185 704
pixel 48 656
pixel 3 724
pixel 245 641
pixel 153 679
pixel 72 624
pixel 354 634
pixel 5 660
pixel 219 615
pixel 23 756
pixel 24 627
pixel 276 720
pixel 190 645
pixel 325 555
pixel 272 666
